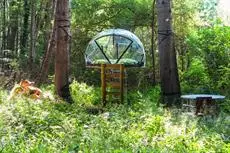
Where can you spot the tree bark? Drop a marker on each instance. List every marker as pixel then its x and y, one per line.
pixel 32 35
pixel 168 65
pixel 152 43
pixel 13 29
pixel 25 27
pixel 4 26
pixel 62 51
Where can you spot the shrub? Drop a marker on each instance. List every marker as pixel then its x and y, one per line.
pixel 212 45
pixel 84 94
pixel 224 82
pixel 155 126
pixel 50 126
pixel 196 78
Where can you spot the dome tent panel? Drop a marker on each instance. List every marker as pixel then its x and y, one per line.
pixel 93 55
pixel 115 46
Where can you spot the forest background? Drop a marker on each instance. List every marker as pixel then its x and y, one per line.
pixel 201 36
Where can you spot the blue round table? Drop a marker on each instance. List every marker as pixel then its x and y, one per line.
pixel 202 100
pixel 195 96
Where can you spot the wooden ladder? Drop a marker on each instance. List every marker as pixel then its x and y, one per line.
pixel 112 81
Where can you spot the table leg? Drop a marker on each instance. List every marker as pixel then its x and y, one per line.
pixel 199 105
pixel 211 106
pixel 200 102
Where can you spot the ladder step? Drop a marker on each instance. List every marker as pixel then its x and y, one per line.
pixel 114 93
pixel 113 84
pixel 112 75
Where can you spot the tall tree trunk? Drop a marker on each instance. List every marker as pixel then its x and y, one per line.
pixel 13 28
pixel 62 51
pixel 32 34
pixel 4 26
pixel 17 43
pixel 153 42
pixel 168 65
pixel 25 27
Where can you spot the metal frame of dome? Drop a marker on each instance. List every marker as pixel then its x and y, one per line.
pixel 120 33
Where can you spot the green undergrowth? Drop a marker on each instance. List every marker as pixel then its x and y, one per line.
pixel 139 125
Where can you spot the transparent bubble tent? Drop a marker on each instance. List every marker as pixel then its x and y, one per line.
pixel 115 46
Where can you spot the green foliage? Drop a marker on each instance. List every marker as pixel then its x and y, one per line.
pixel 224 106
pixel 145 102
pixel 139 126
pixel 182 12
pixel 2 95
pixel 83 94
pixel 215 45
pixel 211 45
pixel 54 126
pixel 93 15
pixel 224 82
pixel 153 94
pixel 196 78
pixel 35 126
pixel 155 126
pixel 15 65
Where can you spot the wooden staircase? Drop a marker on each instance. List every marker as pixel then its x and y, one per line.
pixel 112 82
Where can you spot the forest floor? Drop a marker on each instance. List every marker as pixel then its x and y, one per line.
pixel 55 126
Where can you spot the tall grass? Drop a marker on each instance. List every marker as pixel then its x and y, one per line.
pixel 55 126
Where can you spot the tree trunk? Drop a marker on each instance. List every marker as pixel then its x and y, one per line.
pixel 12 26
pixel 4 26
pixel 152 43
pixel 25 27
pixel 32 34
pixel 12 34
pixel 62 51
pixel 17 43
pixel 168 66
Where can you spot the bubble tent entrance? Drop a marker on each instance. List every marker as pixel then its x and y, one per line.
pixel 115 46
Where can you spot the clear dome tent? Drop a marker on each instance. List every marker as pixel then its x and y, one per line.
pixel 115 46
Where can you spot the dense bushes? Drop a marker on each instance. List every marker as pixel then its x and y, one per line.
pixel 141 126
pixel 209 54
pixel 224 82
pixel 196 78
pixel 81 93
